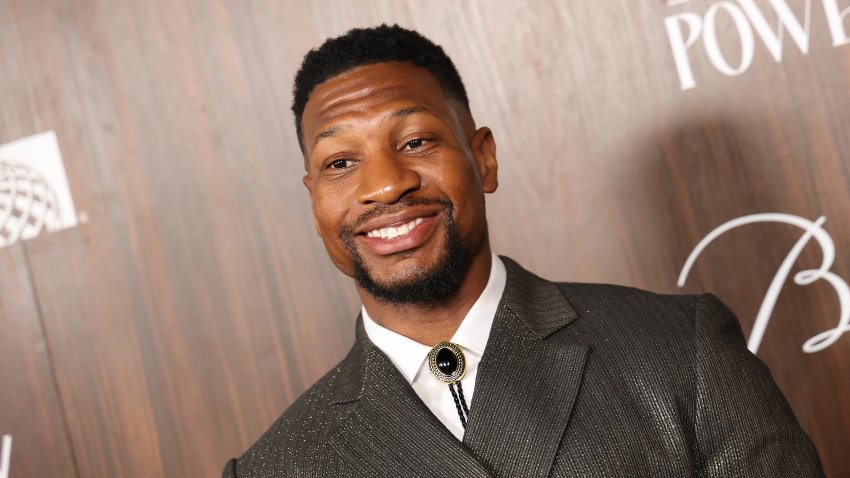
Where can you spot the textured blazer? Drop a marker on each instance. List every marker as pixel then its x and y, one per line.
pixel 577 380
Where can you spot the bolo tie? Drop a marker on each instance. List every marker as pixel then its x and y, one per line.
pixel 448 365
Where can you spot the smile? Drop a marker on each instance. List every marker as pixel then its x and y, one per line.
pixel 401 232
pixel 393 232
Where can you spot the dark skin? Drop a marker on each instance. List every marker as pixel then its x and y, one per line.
pixel 375 137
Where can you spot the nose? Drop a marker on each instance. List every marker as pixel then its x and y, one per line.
pixel 386 178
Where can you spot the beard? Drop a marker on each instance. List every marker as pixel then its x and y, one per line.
pixel 425 285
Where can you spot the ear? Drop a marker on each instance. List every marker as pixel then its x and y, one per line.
pixel 308 183
pixel 483 147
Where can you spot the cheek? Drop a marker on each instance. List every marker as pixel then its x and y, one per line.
pixel 462 187
pixel 330 218
pixel 455 175
pixel 329 215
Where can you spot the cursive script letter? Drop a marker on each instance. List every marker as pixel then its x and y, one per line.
pixel 805 277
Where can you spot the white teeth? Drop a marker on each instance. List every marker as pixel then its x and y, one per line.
pixel 393 232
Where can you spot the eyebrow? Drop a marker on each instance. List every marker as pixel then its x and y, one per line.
pixel 327 133
pixel 407 112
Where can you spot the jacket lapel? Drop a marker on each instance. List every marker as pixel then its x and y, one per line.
pixel 528 379
pixel 390 431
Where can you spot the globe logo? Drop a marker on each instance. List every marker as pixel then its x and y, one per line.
pixel 28 205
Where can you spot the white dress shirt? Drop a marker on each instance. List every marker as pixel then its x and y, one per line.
pixel 410 357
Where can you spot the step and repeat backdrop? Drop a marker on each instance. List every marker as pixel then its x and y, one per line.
pixel 163 297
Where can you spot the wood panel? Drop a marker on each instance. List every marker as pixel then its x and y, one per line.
pixel 196 303
pixel 30 409
pixel 167 307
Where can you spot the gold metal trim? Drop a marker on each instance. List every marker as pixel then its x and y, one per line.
pixel 461 363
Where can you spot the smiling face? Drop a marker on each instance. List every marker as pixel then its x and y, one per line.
pixel 397 174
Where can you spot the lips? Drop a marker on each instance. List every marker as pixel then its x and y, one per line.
pixel 402 235
pixel 393 232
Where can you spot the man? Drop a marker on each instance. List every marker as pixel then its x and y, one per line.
pixel 537 378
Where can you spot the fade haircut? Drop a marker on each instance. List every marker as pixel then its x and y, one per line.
pixel 365 46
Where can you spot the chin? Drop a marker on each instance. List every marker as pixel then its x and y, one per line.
pixel 402 274
pixel 417 283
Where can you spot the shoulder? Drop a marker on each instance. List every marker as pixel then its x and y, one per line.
pixel 300 436
pixel 617 298
pixel 640 336
pixel 622 309
pixel 627 309
pixel 605 316
pixel 594 301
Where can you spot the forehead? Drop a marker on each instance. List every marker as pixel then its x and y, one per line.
pixel 362 92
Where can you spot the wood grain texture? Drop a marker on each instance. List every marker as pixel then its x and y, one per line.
pixel 196 303
pixel 30 409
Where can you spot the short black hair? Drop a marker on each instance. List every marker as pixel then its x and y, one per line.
pixel 364 46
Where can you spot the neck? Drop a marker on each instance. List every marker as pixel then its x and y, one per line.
pixel 432 323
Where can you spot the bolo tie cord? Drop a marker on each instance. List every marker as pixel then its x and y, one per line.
pixel 460 403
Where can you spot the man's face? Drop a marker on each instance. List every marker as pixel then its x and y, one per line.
pixel 397 175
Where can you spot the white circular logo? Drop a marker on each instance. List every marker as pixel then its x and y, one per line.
pixel 28 204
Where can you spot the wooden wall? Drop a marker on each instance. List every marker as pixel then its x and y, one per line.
pixel 163 335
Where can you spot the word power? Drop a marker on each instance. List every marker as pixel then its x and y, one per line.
pixel 810 230
pixel 684 29
pixel 5 454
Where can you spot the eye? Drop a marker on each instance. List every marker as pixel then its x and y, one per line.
pixel 340 164
pixel 417 143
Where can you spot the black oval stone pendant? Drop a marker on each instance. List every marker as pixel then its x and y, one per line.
pixel 446 362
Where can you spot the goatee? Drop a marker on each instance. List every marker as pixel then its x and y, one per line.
pixel 425 286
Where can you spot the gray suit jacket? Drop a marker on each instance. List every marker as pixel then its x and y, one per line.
pixel 576 380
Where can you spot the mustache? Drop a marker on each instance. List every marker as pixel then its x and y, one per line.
pixel 347 231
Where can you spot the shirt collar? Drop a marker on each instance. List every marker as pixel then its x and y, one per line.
pixel 407 354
